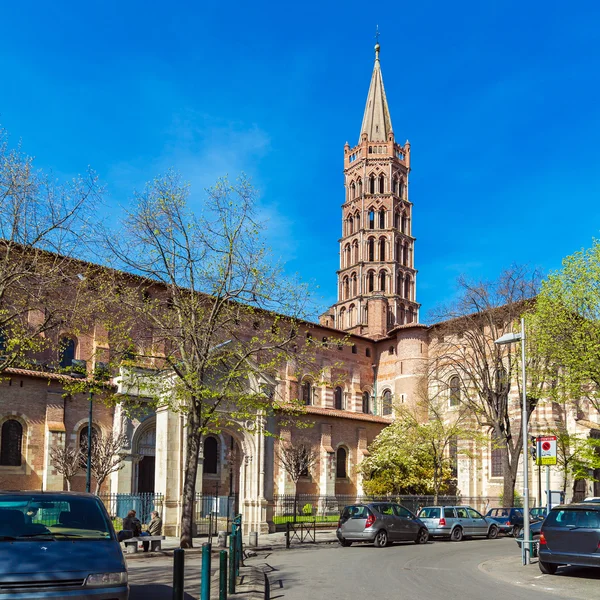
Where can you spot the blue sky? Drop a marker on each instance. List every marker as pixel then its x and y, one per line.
pixel 499 101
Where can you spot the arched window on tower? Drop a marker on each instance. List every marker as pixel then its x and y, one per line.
pixel 382 249
pixel 66 352
pixel 402 189
pixel 381 184
pixel 371 219
pixel 338 397
pixel 346 288
pixel 454 390
pixel 342 318
pixel 354 284
pixel 382 219
pixel 347 256
pixel 371 281
pixel 366 403
pixel 386 403
pixel 396 220
pixel 404 223
pixel 402 316
pixel 357 220
pixel 382 281
pixel 211 456
pixel 407 288
pixel 341 471
pixel 395 185
pixel 372 184
pixel 371 249
pixel 11 443
pixel 355 251
pixel 399 282
pixel 411 315
pixel 307 394
pixel 351 315
pixel 405 254
pixel 353 190
pixel 359 187
pixel 350 225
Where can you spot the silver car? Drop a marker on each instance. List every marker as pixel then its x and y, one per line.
pixel 457 522
pixel 381 523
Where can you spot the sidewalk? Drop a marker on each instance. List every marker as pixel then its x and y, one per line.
pixel 268 541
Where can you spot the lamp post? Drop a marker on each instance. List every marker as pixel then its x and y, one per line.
pixel 511 338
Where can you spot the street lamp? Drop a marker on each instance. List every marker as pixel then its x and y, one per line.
pixel 511 338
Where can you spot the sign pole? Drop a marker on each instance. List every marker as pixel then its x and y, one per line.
pixel 548 490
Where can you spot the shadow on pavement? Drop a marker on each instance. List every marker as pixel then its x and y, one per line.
pixel 579 572
pixel 154 592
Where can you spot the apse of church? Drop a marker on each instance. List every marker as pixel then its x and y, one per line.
pixel 376 278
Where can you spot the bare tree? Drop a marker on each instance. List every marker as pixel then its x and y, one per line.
pixel 202 311
pixel 67 460
pixel 43 224
pixel 463 344
pixel 106 456
pixel 297 460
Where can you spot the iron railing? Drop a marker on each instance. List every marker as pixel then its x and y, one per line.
pixel 214 513
pixel 118 505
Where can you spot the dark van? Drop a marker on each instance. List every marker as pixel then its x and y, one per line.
pixel 59 545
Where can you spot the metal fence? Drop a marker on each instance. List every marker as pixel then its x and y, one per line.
pixel 118 505
pixel 214 513
pixel 326 509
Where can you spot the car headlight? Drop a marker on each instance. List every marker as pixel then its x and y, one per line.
pixel 102 579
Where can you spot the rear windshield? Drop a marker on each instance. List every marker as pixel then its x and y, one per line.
pixel 47 516
pixel 430 513
pixel 569 517
pixel 355 512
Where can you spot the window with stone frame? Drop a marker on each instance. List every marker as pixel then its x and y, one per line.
pixel 341 463
pixel 338 397
pixel 211 455
pixel 11 443
pixel 366 403
pixel 454 385
pixel 496 457
pixel 307 393
pixel 386 403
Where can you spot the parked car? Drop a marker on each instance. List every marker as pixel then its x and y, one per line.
pixel 570 535
pixel 381 523
pixel 59 545
pixel 456 522
pixel 534 530
pixel 510 520
pixel 592 499
pixel 538 513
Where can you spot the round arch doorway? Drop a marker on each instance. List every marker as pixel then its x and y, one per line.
pixel 145 449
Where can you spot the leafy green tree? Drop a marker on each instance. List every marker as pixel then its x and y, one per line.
pixel 566 323
pixel 576 456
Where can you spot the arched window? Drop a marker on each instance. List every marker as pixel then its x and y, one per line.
pixel 354 284
pixel 454 390
pixel 66 352
pixel 404 223
pixel 395 185
pixel 371 219
pixel 342 318
pixel 399 284
pixel 382 249
pixel 338 398
pixel 382 219
pixel 341 471
pixel 396 220
pixel 307 394
pixel 359 187
pixel 351 315
pixel 357 220
pixel 402 315
pixel 370 282
pixel 352 190
pixel 371 249
pixel 405 255
pixel 211 457
pixel 411 314
pixel 386 403
pixel 366 403
pixel 11 444
pixel 372 184
pixel 347 256
pixel 346 288
pixel 402 188
pixel 355 251
pixel 407 288
pixel 382 281
pixel 497 456
pixel 381 184
pixel 83 436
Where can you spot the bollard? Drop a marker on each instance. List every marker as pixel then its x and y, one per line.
pixel 222 539
pixel 205 581
pixel 287 534
pixel 223 575
pixel 240 550
pixel 237 552
pixel 178 570
pixel 253 539
pixel 232 564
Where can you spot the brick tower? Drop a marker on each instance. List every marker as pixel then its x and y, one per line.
pixel 376 279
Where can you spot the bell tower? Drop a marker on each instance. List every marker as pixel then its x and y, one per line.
pixel 376 278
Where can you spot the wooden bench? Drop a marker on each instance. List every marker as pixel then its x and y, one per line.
pixel 131 545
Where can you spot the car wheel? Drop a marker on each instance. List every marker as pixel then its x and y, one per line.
pixel 345 543
pixel 422 536
pixel 381 539
pixel 547 568
pixel 457 534
pixel 492 532
pixel 516 531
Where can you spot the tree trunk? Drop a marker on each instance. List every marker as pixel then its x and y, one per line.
pixel 295 502
pixel 194 438
pixel 510 476
pixel 436 485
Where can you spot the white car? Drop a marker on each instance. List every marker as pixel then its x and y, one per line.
pixel 592 499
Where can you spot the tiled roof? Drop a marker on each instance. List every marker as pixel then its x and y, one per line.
pixel 345 414
pixel 39 374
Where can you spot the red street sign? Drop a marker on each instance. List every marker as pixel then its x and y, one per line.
pixel 546 446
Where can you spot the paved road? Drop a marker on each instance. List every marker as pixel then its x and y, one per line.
pixel 437 571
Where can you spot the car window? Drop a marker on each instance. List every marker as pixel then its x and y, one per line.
pixel 474 514
pixel 355 512
pixel 429 513
pixel 62 517
pixel 385 509
pixel 449 513
pixel 517 511
pixel 462 513
pixel 402 512
pixel 561 518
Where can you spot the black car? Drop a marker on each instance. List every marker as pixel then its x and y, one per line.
pixel 570 536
